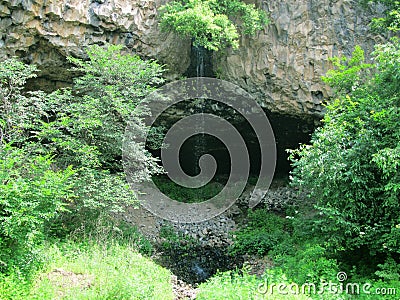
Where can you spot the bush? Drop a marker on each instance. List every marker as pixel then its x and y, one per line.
pixel 60 163
pixel 33 190
pixel 90 128
pixel 351 168
pixel 310 264
pixel 17 110
pixel 391 19
pixel 263 232
pixel 208 22
pixel 31 194
pixel 106 96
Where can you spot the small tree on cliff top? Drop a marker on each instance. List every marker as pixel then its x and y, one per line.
pixel 213 24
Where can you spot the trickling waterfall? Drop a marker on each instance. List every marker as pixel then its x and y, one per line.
pixel 199 53
pixel 199 272
pixel 200 145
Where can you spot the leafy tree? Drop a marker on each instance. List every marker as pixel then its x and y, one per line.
pixel 211 23
pixel 32 190
pixel 17 109
pixel 112 86
pixel 348 73
pixel 351 167
pixel 60 152
pixel 90 125
pixel 391 20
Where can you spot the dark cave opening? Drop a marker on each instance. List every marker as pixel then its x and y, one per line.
pixel 289 132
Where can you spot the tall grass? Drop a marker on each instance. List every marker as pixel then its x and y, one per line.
pixel 91 271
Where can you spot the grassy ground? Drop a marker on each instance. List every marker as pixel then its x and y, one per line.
pixel 91 271
pixel 107 265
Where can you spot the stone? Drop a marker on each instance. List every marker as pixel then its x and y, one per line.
pixel 4 10
pixel 58 28
pixel 281 66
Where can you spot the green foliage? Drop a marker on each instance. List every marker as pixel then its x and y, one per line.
pixel 350 169
pixel 389 270
pixel 173 241
pixel 263 232
pixel 348 73
pixel 60 163
pixel 18 111
pixel 310 264
pixel 108 93
pixel 33 190
pixel 14 287
pixel 209 22
pixel 88 130
pixel 229 285
pixel 105 230
pixel 31 194
pixel 391 20
pixel 89 270
pixel 236 285
pixel 187 195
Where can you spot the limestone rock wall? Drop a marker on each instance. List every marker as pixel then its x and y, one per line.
pixel 281 66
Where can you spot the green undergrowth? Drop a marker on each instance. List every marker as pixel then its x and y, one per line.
pixel 187 195
pixel 275 284
pixel 239 285
pixel 88 270
pixel 298 256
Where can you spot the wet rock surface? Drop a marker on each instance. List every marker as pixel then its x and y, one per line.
pixel 196 264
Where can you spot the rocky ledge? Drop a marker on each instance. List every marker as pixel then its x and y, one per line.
pixel 281 66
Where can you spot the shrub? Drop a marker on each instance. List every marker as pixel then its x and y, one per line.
pixel 17 110
pixel 391 19
pixel 61 152
pixel 310 264
pixel 351 167
pixel 90 128
pixel 107 94
pixel 31 194
pixel 208 22
pixel 263 232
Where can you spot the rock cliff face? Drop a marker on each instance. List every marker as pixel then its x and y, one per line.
pixel 44 32
pixel 281 66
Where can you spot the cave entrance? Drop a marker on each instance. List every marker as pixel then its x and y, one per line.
pixel 289 132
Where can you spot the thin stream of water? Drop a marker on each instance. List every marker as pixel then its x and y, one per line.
pixel 200 146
